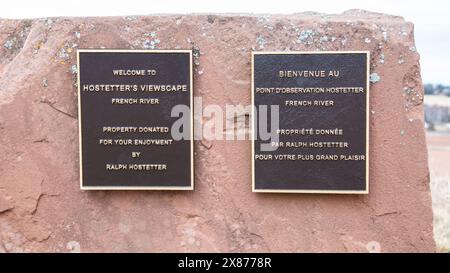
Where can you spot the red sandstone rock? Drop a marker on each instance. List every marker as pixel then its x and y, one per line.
pixel 43 209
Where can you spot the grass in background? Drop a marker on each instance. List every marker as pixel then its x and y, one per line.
pixel 440 189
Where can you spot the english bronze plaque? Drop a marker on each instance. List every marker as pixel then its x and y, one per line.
pixel 310 122
pixel 135 119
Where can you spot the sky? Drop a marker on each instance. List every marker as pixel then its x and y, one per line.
pixel 431 17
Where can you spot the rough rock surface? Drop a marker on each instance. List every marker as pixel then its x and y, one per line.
pixel 43 209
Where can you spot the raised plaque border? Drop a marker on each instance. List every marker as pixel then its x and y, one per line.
pixel 366 191
pixel 191 90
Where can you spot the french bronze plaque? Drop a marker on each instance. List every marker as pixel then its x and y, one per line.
pixel 130 104
pixel 310 122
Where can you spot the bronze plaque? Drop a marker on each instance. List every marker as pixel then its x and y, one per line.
pixel 310 122
pixel 128 106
